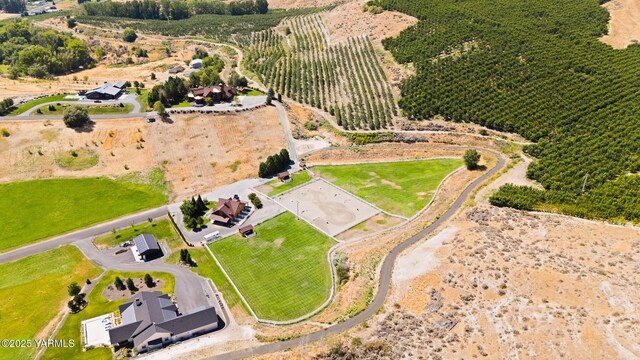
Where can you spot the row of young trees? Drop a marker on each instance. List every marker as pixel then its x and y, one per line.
pixel 37 52
pixel 173 9
pixel 274 164
pixel 344 79
pixel 542 73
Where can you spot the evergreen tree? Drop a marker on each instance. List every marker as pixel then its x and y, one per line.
pixel 118 283
pixel 148 280
pixel 130 285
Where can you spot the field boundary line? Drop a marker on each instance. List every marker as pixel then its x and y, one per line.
pixel 246 303
pixel 408 220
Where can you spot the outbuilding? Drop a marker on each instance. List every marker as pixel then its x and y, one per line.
pixel 147 246
pixel 196 64
pixel 247 231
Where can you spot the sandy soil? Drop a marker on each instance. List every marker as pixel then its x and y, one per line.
pixel 295 4
pixel 624 26
pixel 214 149
pixel 349 20
pixel 4 15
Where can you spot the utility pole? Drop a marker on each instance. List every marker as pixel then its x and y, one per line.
pixel 584 184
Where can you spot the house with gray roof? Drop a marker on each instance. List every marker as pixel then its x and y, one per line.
pixel 147 246
pixel 105 91
pixel 150 320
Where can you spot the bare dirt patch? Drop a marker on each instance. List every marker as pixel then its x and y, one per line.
pixel 624 26
pixel 296 4
pixel 327 206
pixel 195 151
pixel 350 20
pixel 198 154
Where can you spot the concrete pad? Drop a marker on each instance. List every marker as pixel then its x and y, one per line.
pixel 328 207
pixel 96 330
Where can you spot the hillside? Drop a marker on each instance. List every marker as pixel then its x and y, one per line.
pixel 536 68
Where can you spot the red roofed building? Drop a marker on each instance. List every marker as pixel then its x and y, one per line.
pixel 227 211
pixel 217 93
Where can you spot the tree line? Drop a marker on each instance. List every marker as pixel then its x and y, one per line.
pixel 40 53
pixel 274 164
pixel 173 9
pixel 13 6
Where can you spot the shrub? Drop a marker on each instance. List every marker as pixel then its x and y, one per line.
pixel 129 35
pixel 471 158
pixel 5 132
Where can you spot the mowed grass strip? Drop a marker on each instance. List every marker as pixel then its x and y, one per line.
pixel 34 290
pixel 91 109
pixel 298 178
pixel 283 271
pixel 402 188
pixel 19 109
pixel 43 208
pixel 98 305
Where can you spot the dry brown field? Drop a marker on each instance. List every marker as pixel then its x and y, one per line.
pixel 197 152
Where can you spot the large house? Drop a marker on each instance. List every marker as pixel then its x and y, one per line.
pixel 151 320
pixel 218 93
pixel 106 91
pixel 227 211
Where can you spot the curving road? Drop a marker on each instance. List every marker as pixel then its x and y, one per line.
pixel 384 282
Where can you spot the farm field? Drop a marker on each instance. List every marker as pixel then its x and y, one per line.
pixel 283 271
pixel 298 178
pixel 67 204
pixel 345 79
pixel 91 109
pixel 98 305
pixel 162 230
pixel 34 291
pixel 401 188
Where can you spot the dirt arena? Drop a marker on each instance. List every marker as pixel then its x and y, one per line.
pixel 327 206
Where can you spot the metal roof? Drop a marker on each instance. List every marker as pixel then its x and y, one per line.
pixel 146 242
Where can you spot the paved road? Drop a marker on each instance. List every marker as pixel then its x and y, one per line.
pixel 282 114
pixel 191 290
pixel 81 234
pixel 384 282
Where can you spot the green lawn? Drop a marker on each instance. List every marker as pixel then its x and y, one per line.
pixel 182 104
pixel 142 98
pixel 43 208
pixel 98 305
pixel 298 178
pixel 208 268
pixel 77 159
pixel 91 109
pixel 34 289
pixel 402 188
pixel 251 92
pixel 29 104
pixel 162 230
pixel 283 271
